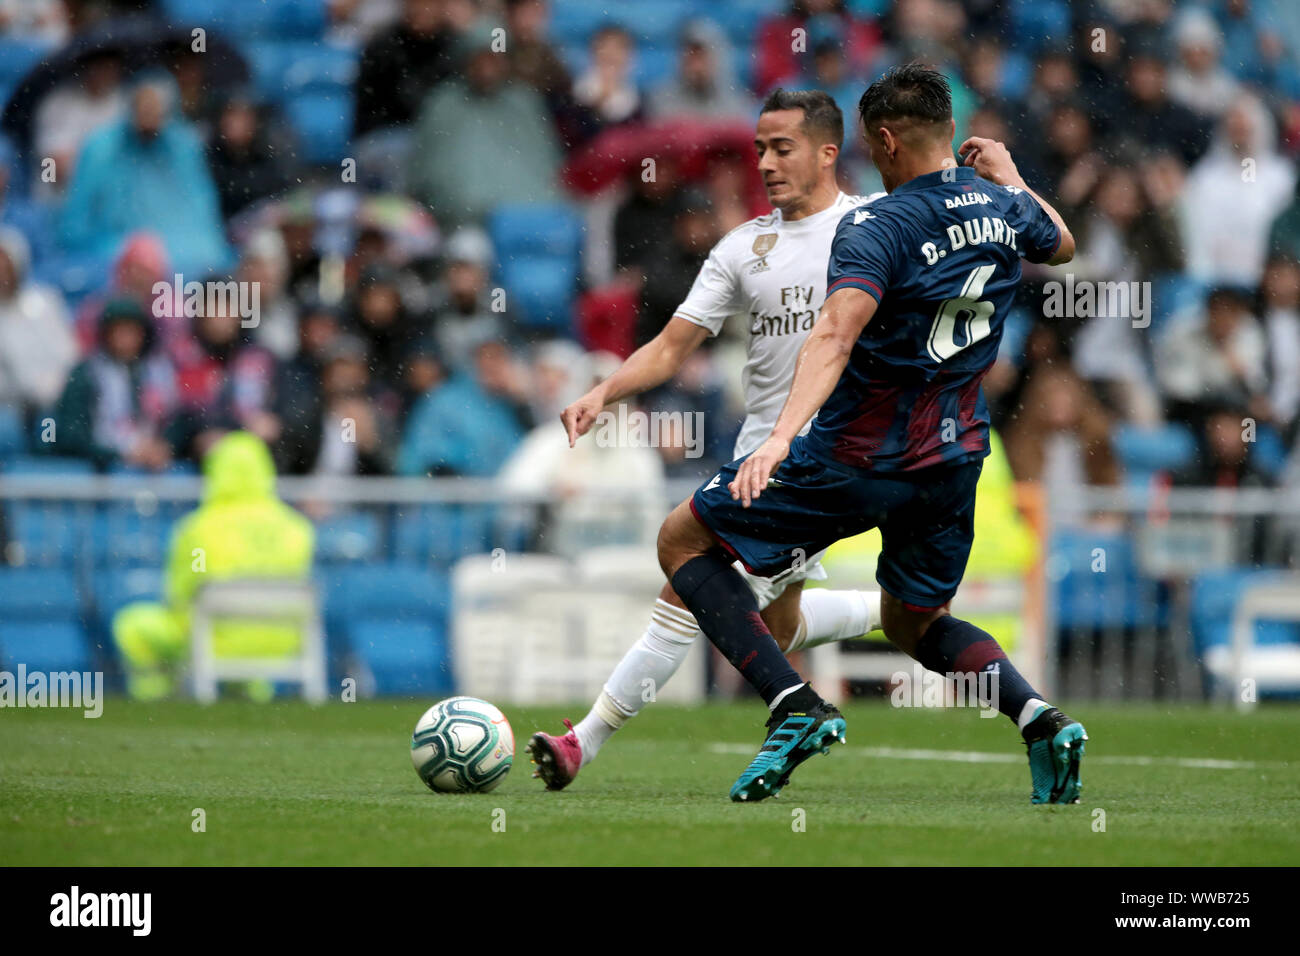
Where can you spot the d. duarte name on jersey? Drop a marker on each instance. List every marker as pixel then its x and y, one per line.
pixel 134 910
pixel 971 232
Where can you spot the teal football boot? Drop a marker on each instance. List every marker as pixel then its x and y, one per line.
pixel 791 739
pixel 1055 743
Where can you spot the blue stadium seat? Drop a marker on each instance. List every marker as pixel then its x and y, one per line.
pixel 348 536
pixel 187 12
pixel 655 23
pixel 1118 597
pixel 284 68
pixel 655 64
pixel 111 589
pixel 574 21
pixel 404 657
pixel 1174 293
pixel 41 620
pixel 39 594
pixel 1017 74
pixel 323 121
pixel 398 590
pixel 13 438
pixel 267 60
pixel 1035 22
pixel 48 533
pixel 122 536
pixel 865 9
pixel 18 57
pixel 442 534
pixel 531 230
pixel 1144 451
pixel 542 291
pixel 298 18
pixel 1214 598
pixel 739 21
pixel 114 588
pixel 241 18
pixel 77 275
pixel 45 646
pixel 394 616
pixel 318 67
pixel 538 248
pixel 1269 451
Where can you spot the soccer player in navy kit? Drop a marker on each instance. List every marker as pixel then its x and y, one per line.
pixel 918 285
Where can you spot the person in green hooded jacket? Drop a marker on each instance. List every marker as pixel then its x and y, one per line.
pixel 240 530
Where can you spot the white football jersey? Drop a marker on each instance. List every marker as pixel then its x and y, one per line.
pixel 773 273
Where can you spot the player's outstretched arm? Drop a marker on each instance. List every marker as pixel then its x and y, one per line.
pixel 652 364
pixel 992 160
pixel 821 361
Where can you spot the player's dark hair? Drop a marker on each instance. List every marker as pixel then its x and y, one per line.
pixel 822 119
pixel 910 92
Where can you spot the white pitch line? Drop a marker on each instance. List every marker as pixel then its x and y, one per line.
pixel 980 756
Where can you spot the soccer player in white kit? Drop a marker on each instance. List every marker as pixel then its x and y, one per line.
pixel 771 270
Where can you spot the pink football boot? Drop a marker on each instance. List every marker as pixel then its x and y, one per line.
pixel 557 758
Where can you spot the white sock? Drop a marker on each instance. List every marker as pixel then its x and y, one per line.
pixel 1028 711
pixel 826 616
pixel 647 666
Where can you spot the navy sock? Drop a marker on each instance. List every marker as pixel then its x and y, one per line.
pixel 954 646
pixel 727 613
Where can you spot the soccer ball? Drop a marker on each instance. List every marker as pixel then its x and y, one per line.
pixel 462 745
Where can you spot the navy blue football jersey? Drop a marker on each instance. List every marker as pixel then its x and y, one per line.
pixel 941 254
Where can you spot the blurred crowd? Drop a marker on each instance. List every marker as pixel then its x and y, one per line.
pixel 385 341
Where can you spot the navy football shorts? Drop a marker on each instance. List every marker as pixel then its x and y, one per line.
pixel 926 520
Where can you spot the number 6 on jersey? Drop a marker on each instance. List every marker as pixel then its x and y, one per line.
pixel 965 308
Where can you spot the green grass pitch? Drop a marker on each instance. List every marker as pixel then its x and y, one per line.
pixel 290 784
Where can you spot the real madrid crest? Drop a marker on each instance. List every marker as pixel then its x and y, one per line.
pixel 762 246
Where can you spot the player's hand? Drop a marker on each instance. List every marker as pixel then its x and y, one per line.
pixel 581 415
pixel 757 469
pixel 991 159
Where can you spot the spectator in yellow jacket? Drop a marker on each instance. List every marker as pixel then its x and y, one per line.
pixel 240 530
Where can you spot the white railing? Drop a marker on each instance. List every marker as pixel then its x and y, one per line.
pixel 1170 539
